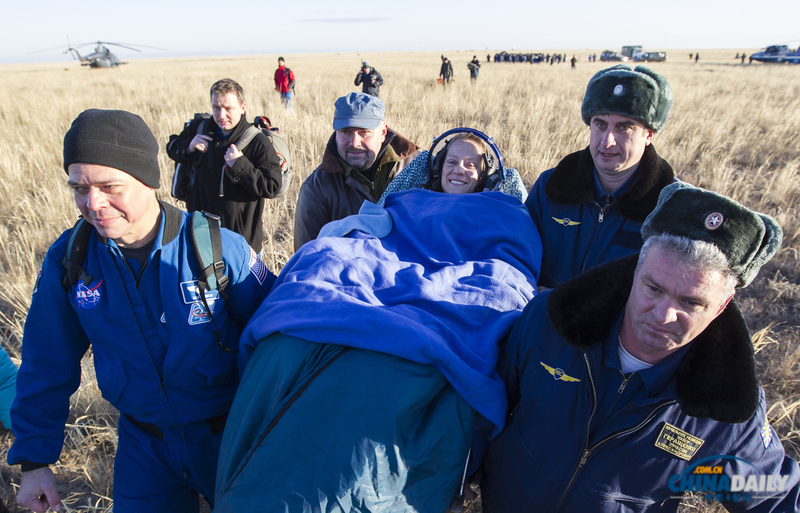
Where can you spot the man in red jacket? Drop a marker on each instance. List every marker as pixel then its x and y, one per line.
pixel 284 83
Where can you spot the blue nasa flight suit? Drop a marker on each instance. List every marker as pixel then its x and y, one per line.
pixel 582 436
pixel 581 225
pixel 156 358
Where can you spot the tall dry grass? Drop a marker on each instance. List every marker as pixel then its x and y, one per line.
pixel 733 128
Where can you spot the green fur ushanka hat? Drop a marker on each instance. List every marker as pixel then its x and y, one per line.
pixel 748 239
pixel 640 94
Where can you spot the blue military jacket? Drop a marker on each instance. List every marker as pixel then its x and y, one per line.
pixel 156 356
pixel 582 226
pixel 583 436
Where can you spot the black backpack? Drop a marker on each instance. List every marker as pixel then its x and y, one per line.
pixel 206 243
pixel 183 179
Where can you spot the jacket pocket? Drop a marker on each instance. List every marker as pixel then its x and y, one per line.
pixel 218 375
pixel 111 382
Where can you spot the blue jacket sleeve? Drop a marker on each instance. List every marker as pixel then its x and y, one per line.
pixel 251 281
pixel 536 200
pixel 53 344
pixel 8 386
pixel 761 448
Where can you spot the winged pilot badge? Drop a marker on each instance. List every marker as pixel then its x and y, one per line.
pixel 558 374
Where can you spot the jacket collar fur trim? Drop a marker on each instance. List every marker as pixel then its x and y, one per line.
pixel 402 148
pixel 717 378
pixel 572 182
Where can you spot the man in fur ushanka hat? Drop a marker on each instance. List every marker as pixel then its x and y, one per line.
pixel 635 382
pixel 590 207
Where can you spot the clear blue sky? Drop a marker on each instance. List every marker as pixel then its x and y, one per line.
pixel 202 27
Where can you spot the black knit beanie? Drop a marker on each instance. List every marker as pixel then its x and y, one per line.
pixel 114 138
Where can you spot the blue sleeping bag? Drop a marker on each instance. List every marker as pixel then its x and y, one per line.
pixel 371 355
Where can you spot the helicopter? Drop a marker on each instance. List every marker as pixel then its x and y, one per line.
pixel 101 57
pixel 778 54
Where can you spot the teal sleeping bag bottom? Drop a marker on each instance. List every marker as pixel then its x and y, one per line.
pixel 323 428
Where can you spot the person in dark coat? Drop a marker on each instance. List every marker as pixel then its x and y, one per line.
pixel 635 382
pixel 229 182
pixel 369 79
pixel 446 71
pixel 590 206
pixel 361 158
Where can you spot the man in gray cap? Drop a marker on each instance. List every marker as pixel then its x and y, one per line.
pixel 590 207
pixel 635 382
pixel 130 287
pixel 369 79
pixel 361 158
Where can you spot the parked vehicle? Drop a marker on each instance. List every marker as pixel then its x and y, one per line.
pixel 609 56
pixel 652 57
pixel 629 51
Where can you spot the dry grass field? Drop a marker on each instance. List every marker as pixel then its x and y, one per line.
pixel 733 128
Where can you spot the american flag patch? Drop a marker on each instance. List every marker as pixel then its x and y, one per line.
pixel 257 267
pixel 766 434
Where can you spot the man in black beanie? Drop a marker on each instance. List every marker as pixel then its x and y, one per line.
pixel 590 207
pixel 163 356
pixel 635 382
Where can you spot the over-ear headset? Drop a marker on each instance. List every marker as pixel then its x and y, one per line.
pixel 493 169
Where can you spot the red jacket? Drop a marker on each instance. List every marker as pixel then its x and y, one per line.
pixel 284 79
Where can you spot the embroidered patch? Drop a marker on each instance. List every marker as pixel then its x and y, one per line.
pixel 38 279
pixel 714 221
pixel 191 293
pixel 558 374
pixel 198 313
pixel 86 297
pixel 766 434
pixel 677 442
pixel 566 221
pixel 257 267
pixel 163 317
pixel 618 90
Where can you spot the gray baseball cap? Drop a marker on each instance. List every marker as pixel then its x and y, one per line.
pixel 358 110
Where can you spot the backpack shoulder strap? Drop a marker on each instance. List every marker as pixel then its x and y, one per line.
pixel 207 245
pixel 75 255
pixel 247 137
pixel 202 126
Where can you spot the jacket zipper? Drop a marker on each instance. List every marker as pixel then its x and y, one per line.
pixel 221 179
pixel 604 208
pixel 588 451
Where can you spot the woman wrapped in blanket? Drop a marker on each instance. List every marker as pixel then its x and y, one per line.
pixel 461 160
pixel 365 368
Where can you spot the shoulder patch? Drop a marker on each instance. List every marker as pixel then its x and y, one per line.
pixel 766 434
pixel 257 267
pixel 38 279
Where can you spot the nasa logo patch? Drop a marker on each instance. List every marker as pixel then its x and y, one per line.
pixel 86 297
pixel 618 90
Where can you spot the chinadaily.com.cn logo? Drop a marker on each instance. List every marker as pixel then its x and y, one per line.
pixel 707 478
